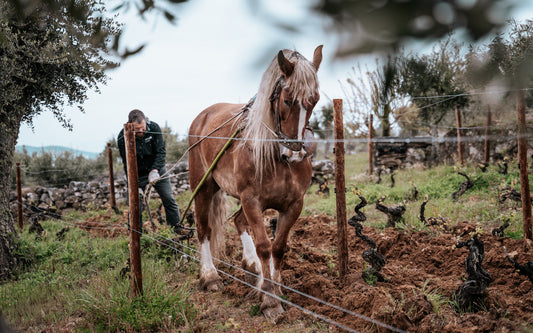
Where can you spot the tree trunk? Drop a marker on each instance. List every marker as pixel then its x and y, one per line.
pixel 9 130
pixel 385 121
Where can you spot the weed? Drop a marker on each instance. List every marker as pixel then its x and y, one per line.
pixel 331 266
pixel 435 298
pixel 369 277
pixel 255 310
pixel 79 276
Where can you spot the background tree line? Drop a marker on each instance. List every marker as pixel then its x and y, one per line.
pixel 415 92
pixel 57 170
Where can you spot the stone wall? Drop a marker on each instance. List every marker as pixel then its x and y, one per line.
pixel 94 193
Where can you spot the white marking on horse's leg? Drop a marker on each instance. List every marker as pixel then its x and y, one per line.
pixel 301 122
pixel 207 267
pixel 250 257
pixel 275 275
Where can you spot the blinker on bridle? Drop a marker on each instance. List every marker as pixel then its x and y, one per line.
pixel 285 140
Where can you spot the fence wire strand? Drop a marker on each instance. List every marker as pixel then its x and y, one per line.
pixel 82 225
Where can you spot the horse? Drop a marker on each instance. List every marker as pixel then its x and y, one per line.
pixel 267 166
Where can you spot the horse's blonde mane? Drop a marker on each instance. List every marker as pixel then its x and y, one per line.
pixel 303 83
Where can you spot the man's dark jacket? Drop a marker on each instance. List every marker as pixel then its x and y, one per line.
pixel 150 150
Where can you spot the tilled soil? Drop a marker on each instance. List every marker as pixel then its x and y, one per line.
pixel 422 272
pixel 420 268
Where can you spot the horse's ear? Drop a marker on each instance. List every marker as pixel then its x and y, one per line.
pixel 317 57
pixel 285 65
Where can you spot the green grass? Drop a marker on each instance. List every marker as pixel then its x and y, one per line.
pixel 478 205
pixel 79 277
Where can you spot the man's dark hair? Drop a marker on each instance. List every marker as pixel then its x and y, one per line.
pixel 136 116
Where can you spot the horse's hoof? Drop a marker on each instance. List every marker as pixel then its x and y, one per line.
pixel 212 285
pixel 274 314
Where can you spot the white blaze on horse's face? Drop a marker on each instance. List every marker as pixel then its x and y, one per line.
pixel 297 112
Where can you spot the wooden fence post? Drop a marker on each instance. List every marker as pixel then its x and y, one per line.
pixel 112 200
pixel 340 191
pixel 19 198
pixel 522 159
pixel 486 157
pixel 134 211
pixel 459 135
pixel 370 145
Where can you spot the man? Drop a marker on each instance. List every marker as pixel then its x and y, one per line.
pixel 151 153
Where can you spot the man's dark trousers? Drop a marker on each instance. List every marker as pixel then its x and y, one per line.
pixel 164 189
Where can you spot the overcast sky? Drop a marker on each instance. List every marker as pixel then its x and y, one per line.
pixel 216 52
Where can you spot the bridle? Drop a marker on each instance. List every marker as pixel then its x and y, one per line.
pixel 284 139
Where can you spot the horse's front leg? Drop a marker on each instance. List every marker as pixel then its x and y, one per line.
pixel 250 260
pixel 286 220
pixel 253 212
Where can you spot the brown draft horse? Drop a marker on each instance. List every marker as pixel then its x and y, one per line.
pixel 267 167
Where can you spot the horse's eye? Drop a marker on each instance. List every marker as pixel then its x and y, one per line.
pixel 287 102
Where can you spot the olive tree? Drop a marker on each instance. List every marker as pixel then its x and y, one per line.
pixel 49 58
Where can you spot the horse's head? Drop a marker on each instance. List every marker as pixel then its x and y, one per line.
pixel 293 100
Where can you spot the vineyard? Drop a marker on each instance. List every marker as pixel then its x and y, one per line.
pixel 416 289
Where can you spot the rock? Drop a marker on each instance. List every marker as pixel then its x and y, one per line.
pixel 77 186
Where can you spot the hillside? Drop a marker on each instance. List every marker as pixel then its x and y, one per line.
pixel 56 150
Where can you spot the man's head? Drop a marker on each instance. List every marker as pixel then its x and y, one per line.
pixel 137 118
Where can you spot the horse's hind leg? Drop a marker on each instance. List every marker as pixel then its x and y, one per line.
pixel 250 260
pixel 209 278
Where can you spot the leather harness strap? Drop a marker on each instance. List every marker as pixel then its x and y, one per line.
pixel 285 140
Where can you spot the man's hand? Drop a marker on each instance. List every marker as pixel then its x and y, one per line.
pixel 153 176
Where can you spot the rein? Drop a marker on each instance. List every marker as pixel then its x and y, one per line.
pixel 215 161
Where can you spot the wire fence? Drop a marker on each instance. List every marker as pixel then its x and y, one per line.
pixel 181 249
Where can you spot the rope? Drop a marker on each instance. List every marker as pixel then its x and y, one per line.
pixel 215 161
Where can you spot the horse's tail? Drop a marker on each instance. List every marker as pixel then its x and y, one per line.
pixel 217 217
